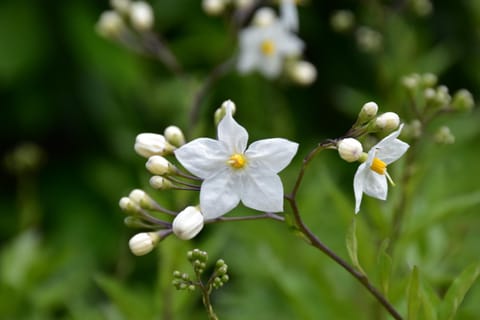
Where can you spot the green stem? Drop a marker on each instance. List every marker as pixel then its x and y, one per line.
pixel 315 242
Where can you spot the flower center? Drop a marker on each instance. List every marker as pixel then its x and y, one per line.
pixel 267 47
pixel 378 166
pixel 237 161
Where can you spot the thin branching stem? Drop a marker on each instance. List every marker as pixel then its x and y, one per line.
pixel 316 243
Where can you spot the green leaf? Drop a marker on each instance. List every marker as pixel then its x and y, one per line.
pixel 413 293
pixel 131 303
pixel 384 266
pixel 455 294
pixel 352 245
pixel 430 302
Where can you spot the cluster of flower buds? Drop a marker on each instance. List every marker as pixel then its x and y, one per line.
pixel 372 176
pixel 271 46
pixel 125 16
pixel 430 100
pixel 198 260
pixel 368 39
pixel 139 205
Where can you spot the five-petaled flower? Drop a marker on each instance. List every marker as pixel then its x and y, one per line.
pixel 371 176
pixel 232 173
pixel 264 48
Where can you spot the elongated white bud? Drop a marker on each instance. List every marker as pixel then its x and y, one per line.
pixel 158 165
pixel 188 223
pixel 368 111
pixel 143 243
pixel 160 183
pixel 387 122
pixel 150 144
pixel 174 135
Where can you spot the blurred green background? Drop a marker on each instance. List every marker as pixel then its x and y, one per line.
pixel 73 102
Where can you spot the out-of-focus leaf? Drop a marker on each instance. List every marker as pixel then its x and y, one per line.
pixel 22 38
pixel 384 267
pixel 352 245
pixel 430 302
pixel 413 294
pixel 131 303
pixel 455 294
pixel 17 259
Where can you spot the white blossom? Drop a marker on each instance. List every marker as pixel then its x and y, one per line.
pixel 264 48
pixel 188 223
pixel 233 173
pixel 289 15
pixel 371 176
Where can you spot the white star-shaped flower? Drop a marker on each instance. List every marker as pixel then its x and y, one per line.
pixel 264 48
pixel 232 173
pixel 371 176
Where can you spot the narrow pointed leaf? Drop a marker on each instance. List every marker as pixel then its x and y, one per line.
pixel 458 289
pixel 413 295
pixel 384 267
pixel 352 245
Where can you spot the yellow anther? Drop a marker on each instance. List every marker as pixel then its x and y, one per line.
pixel 267 47
pixel 378 166
pixel 237 161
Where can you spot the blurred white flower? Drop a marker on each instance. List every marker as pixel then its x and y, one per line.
pixel 233 173
pixel 264 48
pixel 289 15
pixel 141 15
pixel 371 176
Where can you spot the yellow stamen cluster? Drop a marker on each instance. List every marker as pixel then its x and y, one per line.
pixel 237 161
pixel 267 47
pixel 378 166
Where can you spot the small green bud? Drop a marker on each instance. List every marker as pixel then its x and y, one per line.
pixel 429 80
pixel 177 274
pixel 219 263
pixel 342 21
pixel 161 183
pixel 368 40
pixel 185 276
pixel 222 270
pixel 463 100
pixel 411 82
pixel 142 199
pixel 444 136
pixel 182 286
pixel 133 222
pixel 225 278
pixel 191 287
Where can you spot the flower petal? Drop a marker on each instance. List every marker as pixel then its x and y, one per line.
pixel 203 156
pixel 289 15
pixel 392 151
pixel 274 154
pixel 271 66
pixel 219 194
pixel 233 135
pixel 262 190
pixel 375 185
pixel 358 185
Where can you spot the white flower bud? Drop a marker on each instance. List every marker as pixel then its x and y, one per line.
pixel 143 243
pixel 188 223
pixel 150 144
pixel 128 205
pixel 368 40
pixel 241 4
pixel 110 24
pixel 142 199
pixel 213 7
pixel 388 121
pixel 160 183
pixel 264 17
pixel 121 6
pixel 141 15
pixel 158 165
pixel 174 135
pixel 303 72
pixel 350 149
pixel 222 111
pixel 369 111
